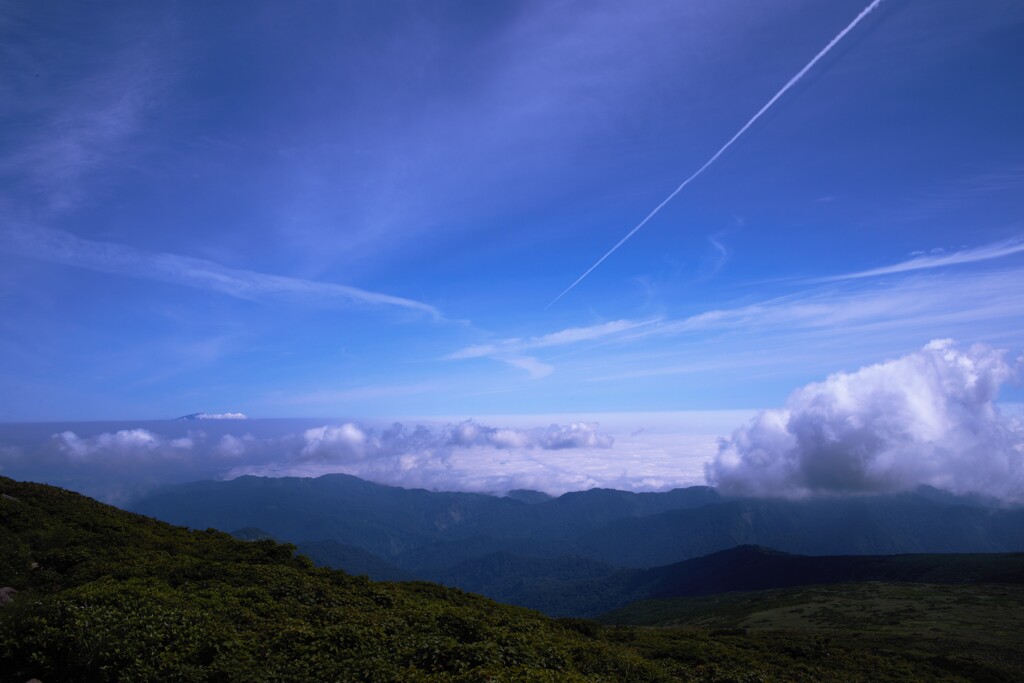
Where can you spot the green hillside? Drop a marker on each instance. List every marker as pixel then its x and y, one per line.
pixel 105 595
pixel 975 629
pixel 108 595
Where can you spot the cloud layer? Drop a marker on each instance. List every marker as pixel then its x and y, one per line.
pixel 130 444
pixel 466 455
pixel 926 418
pixel 350 441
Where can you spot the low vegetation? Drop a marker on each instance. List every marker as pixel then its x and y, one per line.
pixel 974 630
pixel 105 595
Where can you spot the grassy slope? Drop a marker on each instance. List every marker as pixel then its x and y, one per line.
pixel 974 629
pixel 107 595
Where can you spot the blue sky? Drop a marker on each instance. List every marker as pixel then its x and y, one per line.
pixel 364 209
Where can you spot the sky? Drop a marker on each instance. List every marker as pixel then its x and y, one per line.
pixel 371 211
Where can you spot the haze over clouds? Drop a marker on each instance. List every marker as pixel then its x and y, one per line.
pixel 926 418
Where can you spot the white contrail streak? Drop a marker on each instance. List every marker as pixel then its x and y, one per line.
pixel 793 81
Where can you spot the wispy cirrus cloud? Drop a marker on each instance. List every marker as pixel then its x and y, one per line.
pixel 94 124
pixel 902 311
pixel 985 252
pixel 83 120
pixel 58 246
pixel 514 351
pixel 567 336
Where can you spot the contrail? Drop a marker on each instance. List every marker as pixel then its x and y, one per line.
pixel 792 81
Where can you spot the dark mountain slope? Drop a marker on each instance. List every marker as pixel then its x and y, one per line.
pixel 901 523
pixel 469 540
pixel 750 568
pixel 559 587
pixel 578 587
pixel 381 519
pixel 387 520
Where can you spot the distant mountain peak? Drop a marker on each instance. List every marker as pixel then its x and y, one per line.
pixel 212 416
pixel 528 496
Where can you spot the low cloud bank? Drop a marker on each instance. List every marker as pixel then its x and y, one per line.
pixel 353 442
pixel 466 455
pixel 926 418
pixel 130 444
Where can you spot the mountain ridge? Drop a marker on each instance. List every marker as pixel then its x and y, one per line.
pixel 526 552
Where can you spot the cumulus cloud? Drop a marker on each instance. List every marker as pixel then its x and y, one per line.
pixel 231 446
pixel 465 456
pixel 344 442
pixel 926 418
pixel 127 443
pixel 553 437
pixel 350 442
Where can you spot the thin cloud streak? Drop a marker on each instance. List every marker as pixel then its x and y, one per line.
pixel 510 351
pixel 57 246
pixel 792 81
pixel 961 300
pixel 567 336
pixel 984 253
pixel 975 306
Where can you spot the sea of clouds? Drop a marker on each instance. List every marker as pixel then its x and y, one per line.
pixel 465 455
pixel 929 417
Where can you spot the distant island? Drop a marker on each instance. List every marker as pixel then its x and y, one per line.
pixel 212 416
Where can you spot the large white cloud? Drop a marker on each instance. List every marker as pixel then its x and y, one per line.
pixel 926 418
